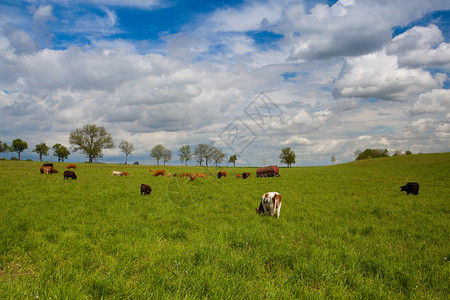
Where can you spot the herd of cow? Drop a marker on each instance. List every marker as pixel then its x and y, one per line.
pixel 270 202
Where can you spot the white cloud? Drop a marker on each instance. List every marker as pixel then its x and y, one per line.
pixel 378 75
pixel 296 140
pixel 435 101
pixel 43 13
pixel 348 28
pixel 188 89
pixel 250 16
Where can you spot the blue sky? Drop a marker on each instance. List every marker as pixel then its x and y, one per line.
pixel 322 77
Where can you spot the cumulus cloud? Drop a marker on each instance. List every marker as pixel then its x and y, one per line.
pixel 436 101
pixel 17 40
pixel 348 28
pixel 296 140
pixel 420 47
pixel 43 13
pixel 378 75
pixel 200 79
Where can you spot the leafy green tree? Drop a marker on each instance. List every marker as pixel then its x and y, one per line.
pixel 333 159
pixel 185 154
pixel 19 146
pixel 41 149
pixel 407 152
pixel 91 140
pixel 157 152
pixel 126 148
pixel 287 156
pixel 4 147
pixel 233 159
pixel 373 153
pixel 61 152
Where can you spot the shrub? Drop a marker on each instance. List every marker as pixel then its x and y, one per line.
pixel 373 153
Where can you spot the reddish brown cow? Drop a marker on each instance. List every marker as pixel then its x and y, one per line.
pixel 159 173
pixel 48 170
pixel 71 166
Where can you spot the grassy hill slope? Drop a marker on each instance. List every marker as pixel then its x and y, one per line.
pixel 345 231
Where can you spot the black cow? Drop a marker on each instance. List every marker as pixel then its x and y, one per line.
pixel 69 174
pixel 145 189
pixel 410 187
pixel 48 165
pixel 219 175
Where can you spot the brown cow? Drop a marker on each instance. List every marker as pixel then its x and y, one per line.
pixel 160 173
pixel 71 166
pixel 145 189
pixel 48 170
pixel 69 174
pixel 202 175
pixel 192 176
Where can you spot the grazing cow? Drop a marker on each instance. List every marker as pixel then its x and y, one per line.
pixel 192 176
pixel 145 189
pixel 221 174
pixel 69 174
pixel 238 176
pixel 116 173
pixel 125 173
pixel 410 187
pixel 48 170
pixel 270 202
pixel 169 174
pixel 160 173
pixel 246 175
pixel 71 166
pixel 202 175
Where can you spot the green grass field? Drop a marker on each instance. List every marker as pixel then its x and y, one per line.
pixel 345 231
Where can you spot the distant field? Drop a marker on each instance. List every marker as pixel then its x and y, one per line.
pixel 345 231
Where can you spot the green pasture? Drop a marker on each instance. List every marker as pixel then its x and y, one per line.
pixel 345 232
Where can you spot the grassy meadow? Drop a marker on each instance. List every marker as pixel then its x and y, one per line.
pixel 345 231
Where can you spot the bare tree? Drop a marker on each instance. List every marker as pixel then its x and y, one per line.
pixel 126 148
pixel 157 152
pixel 185 154
pixel 167 155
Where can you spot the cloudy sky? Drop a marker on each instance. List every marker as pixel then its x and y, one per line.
pixel 250 77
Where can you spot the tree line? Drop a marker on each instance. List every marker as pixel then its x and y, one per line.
pixel 92 140
pixel 377 153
